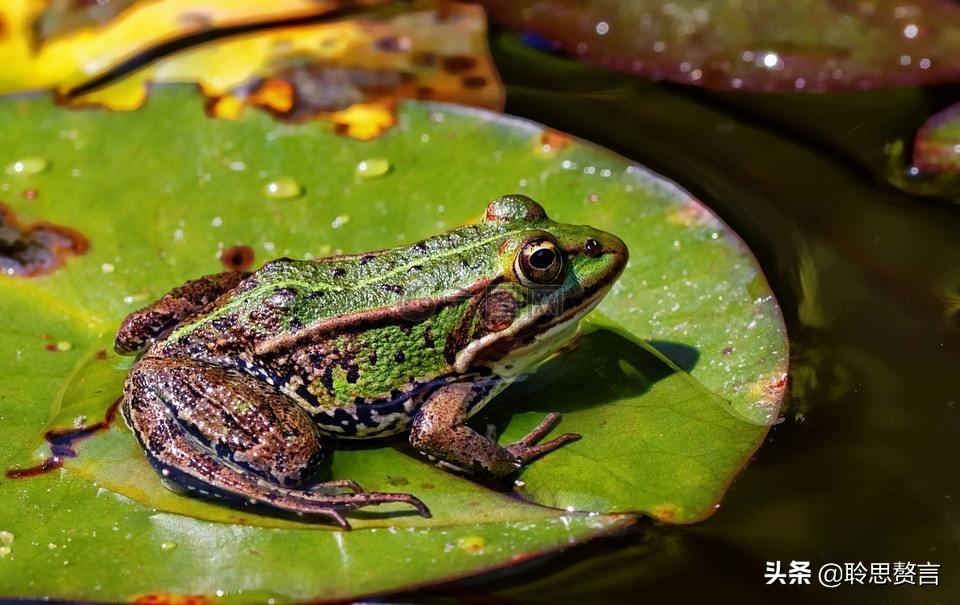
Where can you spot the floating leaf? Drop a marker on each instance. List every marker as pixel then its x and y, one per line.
pixel 351 71
pixel 656 438
pixel 937 147
pixel 62 44
pixel 808 45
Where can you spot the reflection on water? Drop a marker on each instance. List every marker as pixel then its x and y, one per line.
pixel 865 468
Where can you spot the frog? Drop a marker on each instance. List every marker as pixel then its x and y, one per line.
pixel 245 379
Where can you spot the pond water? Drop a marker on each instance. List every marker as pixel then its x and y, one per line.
pixel 865 466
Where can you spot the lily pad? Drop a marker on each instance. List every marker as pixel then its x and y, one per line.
pixel 63 44
pixel 937 147
pixel 805 45
pixel 340 61
pixel 667 422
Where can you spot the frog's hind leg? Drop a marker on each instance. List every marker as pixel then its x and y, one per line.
pixel 154 321
pixel 220 434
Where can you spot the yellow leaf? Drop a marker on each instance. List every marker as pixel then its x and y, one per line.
pixel 351 72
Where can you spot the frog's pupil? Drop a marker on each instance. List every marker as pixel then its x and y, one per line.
pixel 542 258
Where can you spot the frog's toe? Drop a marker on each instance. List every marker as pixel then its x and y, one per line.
pixel 540 431
pixel 314 500
pixel 384 497
pixel 334 486
pixel 525 453
pixel 331 514
pixel 527 448
pixel 359 500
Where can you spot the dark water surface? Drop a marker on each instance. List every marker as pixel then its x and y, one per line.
pixel 865 466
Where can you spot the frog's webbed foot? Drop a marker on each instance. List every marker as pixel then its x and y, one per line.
pixel 528 448
pixel 221 434
pixel 439 431
pixel 156 320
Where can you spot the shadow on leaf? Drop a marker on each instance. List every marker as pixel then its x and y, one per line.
pixel 604 367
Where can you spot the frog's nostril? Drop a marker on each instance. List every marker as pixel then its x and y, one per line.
pixel 592 248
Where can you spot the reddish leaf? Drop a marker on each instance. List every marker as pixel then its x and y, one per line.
pixel 766 45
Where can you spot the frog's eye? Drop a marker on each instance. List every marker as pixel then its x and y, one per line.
pixel 539 262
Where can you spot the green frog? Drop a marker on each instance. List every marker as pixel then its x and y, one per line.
pixel 244 377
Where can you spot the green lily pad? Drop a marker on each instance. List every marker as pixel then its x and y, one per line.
pixel 163 194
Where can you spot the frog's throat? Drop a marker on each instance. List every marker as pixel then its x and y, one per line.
pixel 553 337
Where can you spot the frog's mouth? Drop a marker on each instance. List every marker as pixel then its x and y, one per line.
pixel 531 339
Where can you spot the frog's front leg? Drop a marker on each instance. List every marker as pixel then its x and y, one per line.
pixel 222 434
pixel 154 321
pixel 439 431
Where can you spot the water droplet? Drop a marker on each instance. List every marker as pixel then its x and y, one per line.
pixel 924 63
pixel 282 188
pixel 373 168
pixel 168 545
pixel 771 60
pixel 602 28
pixel 340 221
pixel 63 345
pixel 216 222
pixel 6 541
pixel 107 267
pixel 28 166
pixel 910 31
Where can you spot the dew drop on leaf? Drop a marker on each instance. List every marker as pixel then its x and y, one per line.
pixel 6 542
pixel 373 168
pixel 28 166
pixel 282 188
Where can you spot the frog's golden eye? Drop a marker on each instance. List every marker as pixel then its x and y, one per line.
pixel 539 262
